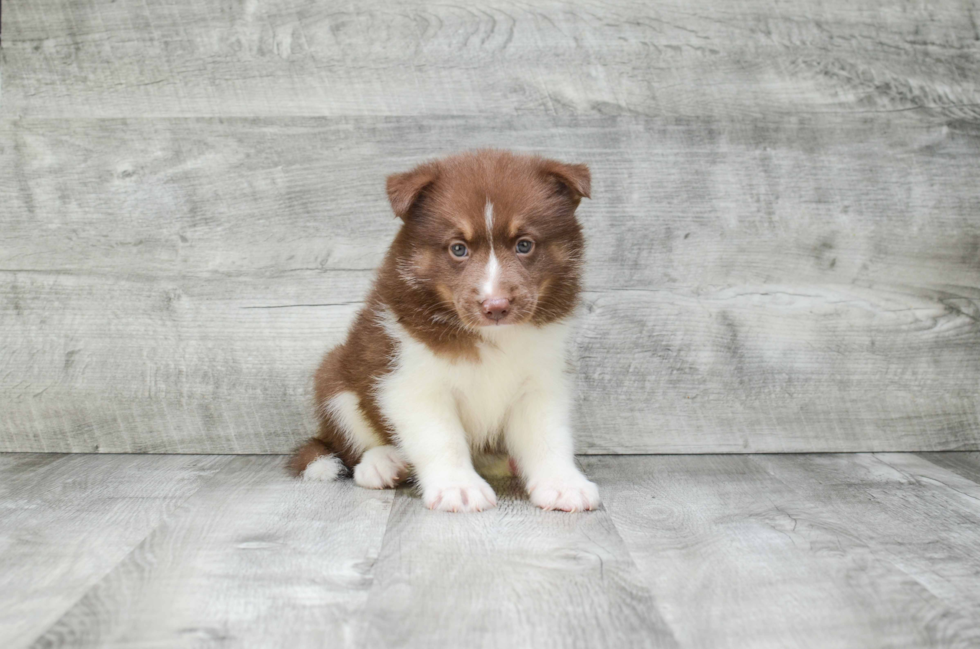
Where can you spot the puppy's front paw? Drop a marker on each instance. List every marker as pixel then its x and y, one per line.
pixel 464 492
pixel 571 492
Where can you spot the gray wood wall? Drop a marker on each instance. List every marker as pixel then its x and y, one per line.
pixel 784 235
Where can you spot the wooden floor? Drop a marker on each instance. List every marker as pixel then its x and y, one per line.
pixel 857 550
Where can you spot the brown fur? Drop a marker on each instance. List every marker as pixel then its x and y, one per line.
pixel 434 295
pixel 312 449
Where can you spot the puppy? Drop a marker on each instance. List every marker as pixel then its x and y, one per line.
pixel 460 348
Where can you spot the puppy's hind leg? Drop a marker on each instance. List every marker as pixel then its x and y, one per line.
pixel 345 437
pixel 381 467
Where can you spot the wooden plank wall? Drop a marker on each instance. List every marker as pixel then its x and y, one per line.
pixel 784 238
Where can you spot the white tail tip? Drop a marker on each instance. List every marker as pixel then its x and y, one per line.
pixel 324 469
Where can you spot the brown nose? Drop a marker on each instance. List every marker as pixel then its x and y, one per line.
pixel 496 307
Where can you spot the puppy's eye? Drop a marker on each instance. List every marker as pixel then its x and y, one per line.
pixel 525 246
pixel 458 250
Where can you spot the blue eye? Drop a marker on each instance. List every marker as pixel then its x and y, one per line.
pixel 458 250
pixel 524 246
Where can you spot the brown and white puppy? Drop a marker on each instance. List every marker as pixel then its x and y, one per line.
pixel 460 349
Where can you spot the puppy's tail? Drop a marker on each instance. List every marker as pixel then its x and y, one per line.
pixel 315 461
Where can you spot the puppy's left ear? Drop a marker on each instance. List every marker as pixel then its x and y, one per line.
pixel 574 178
pixel 404 189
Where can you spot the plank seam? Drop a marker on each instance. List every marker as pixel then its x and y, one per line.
pixel 167 518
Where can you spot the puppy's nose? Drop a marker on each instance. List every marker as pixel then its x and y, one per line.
pixel 496 307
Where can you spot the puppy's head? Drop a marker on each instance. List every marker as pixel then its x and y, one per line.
pixel 491 236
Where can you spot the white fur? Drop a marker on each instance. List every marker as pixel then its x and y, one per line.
pixel 489 287
pixel 345 411
pixel 380 468
pixel 488 218
pixel 324 469
pixel 443 409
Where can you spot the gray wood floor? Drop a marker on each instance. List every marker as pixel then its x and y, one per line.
pixel 862 550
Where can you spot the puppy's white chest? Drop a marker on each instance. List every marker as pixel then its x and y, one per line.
pixel 483 393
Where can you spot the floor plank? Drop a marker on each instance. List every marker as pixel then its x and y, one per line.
pixel 793 551
pixel 256 559
pixel 66 521
pixel 511 577
pixel 921 518
pixel 963 463
pixel 839 551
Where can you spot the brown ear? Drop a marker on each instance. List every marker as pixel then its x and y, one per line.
pixel 404 188
pixel 575 177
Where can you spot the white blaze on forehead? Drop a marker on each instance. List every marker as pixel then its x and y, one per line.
pixel 493 267
pixel 488 217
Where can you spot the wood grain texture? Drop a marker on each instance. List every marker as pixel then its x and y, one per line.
pixel 65 522
pixel 784 551
pixel 298 57
pixel 514 576
pixel 832 551
pixel 257 559
pixel 787 284
pixel 963 464
pixel 919 517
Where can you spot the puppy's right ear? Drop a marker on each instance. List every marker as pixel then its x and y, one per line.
pixel 404 189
